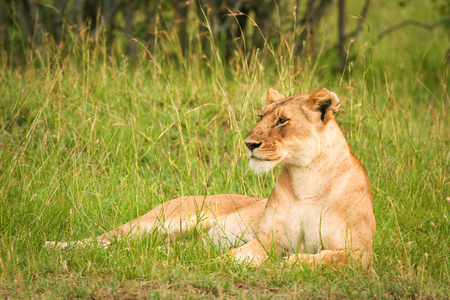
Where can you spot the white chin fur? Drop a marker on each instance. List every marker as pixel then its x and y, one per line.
pixel 260 166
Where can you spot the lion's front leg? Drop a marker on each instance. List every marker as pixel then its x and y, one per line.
pixel 326 257
pixel 252 252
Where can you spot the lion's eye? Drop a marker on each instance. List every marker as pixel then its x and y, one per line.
pixel 282 120
pixel 259 117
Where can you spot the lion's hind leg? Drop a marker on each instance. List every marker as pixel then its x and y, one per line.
pixel 235 229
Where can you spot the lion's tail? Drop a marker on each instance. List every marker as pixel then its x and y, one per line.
pixel 82 243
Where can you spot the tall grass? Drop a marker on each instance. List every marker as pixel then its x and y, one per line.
pixel 90 140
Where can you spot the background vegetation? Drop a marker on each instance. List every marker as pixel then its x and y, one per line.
pixel 100 124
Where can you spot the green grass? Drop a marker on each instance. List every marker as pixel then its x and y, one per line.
pixel 90 140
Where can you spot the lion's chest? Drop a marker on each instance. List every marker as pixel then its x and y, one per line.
pixel 299 227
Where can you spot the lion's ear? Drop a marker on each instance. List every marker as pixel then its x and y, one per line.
pixel 273 95
pixel 325 103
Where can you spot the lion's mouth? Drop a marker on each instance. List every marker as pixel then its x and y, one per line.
pixel 257 158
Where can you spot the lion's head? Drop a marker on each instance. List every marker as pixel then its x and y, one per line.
pixel 290 129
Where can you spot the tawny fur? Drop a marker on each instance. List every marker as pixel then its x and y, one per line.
pixel 320 211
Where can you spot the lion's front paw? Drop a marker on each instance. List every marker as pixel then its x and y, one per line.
pixel 300 259
pixel 240 256
pixel 251 253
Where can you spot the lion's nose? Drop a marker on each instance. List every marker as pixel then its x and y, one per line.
pixel 252 145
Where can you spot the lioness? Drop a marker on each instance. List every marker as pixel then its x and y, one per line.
pixel 320 211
